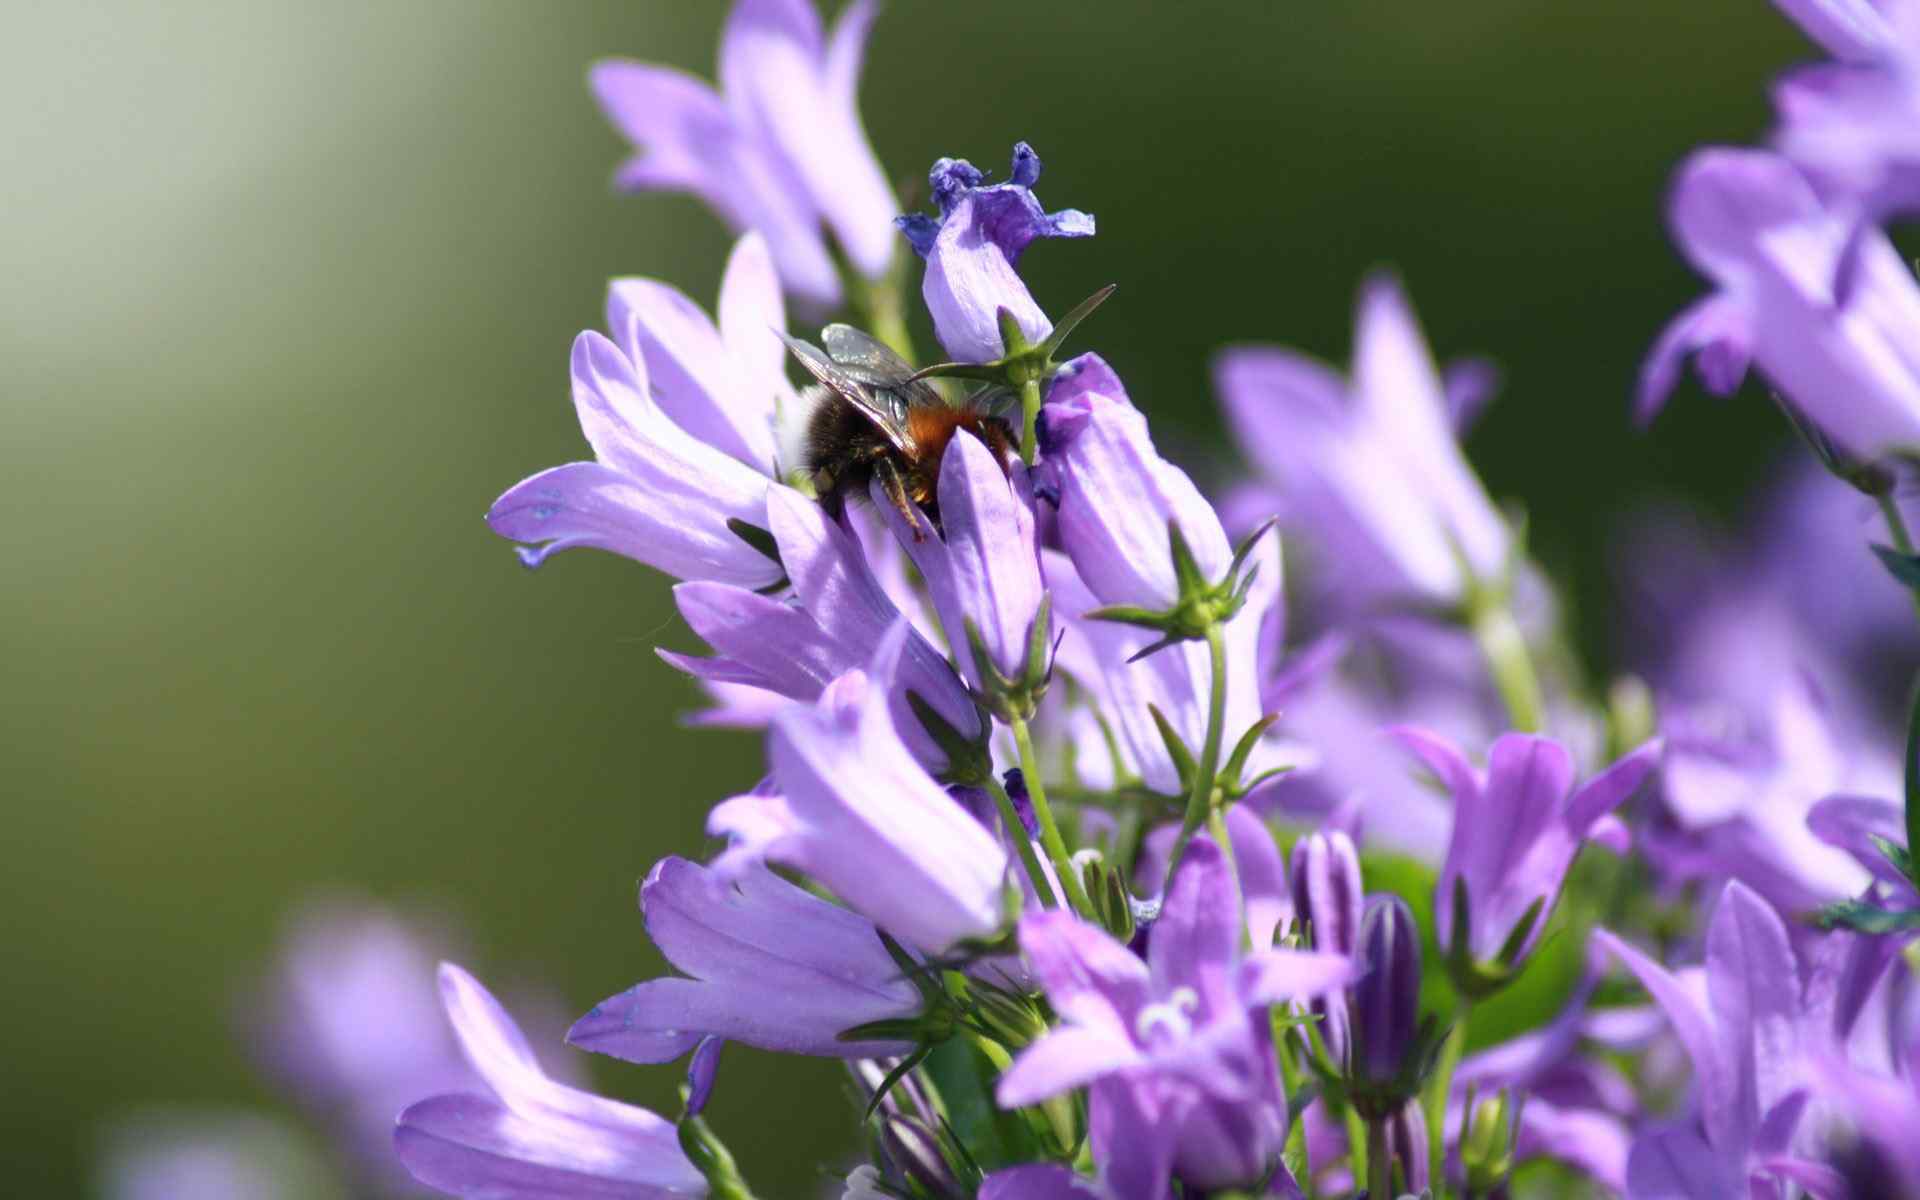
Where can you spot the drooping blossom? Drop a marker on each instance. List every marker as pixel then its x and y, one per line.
pixel 1517 827
pixel 768 964
pixel 1744 1036
pixel 1854 123
pixel 1368 468
pixel 982 566
pixel 525 1136
pixel 1828 311
pixel 838 612
pixel 854 810
pixel 1177 1048
pixel 973 246
pixel 778 150
pixel 681 420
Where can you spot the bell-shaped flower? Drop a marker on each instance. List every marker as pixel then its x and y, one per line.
pixel 1177 1049
pixel 858 814
pixel 1118 500
pixel 1828 311
pixel 1368 466
pixel 1745 1037
pixel 982 567
pixel 1516 829
pixel 768 964
pixel 778 149
pixel 681 420
pixel 1851 123
pixel 526 1137
pixel 972 248
pixel 838 612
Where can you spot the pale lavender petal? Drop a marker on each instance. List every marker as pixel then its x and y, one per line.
pixel 1195 941
pixel 1131 1129
pixel 1852 822
pixel 1065 1058
pixel 765 642
pixel 1091 980
pixel 475 1147
pixel 1717 333
pixel 752 314
pixel 1848 29
pixel 703 1070
pixel 1469 383
pixel 1714 1076
pixel 968 281
pixel 1677 1165
pixel 1609 789
pixel 1594 1142
pixel 1038 1182
pixel 1272 976
pixel 695 379
pixel 1754 986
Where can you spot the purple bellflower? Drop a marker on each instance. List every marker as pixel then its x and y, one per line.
pixel 972 248
pixel 1177 1049
pixel 778 150
pixel 1745 1037
pixel 1854 123
pixel 681 420
pixel 1118 497
pixel 1517 827
pixel 525 1136
pixel 838 613
pixel 982 566
pixel 854 811
pixel 1369 466
pixel 772 966
pixel 1829 312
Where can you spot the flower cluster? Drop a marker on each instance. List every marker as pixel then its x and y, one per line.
pixel 1106 878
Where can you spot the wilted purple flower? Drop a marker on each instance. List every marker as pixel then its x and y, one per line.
pixel 1367 466
pixel 1851 123
pixel 972 248
pixel 1744 1037
pixel 856 812
pixel 1118 497
pixel 1827 310
pixel 681 420
pixel 1516 830
pixel 1383 1001
pixel 1177 1049
pixel 842 613
pixel 531 1137
pixel 982 565
pixel 771 966
pixel 778 150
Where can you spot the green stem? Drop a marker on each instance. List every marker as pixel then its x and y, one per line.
pixel 1440 1086
pixel 1902 540
pixel 1379 1161
pixel 1201 798
pixel 1505 649
pixel 1050 838
pixel 1029 420
pixel 1017 834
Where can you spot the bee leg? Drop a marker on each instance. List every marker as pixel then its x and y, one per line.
pixel 896 489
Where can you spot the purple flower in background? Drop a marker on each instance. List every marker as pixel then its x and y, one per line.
pixel 1829 312
pixel 209 1156
pixel 1118 497
pixel 1744 1036
pixel 778 150
pixel 525 1135
pixel 842 613
pixel 858 814
pixel 681 420
pixel 1177 1049
pixel 1368 466
pixel 772 966
pixel 1516 829
pixel 982 565
pixel 1854 124
pixel 973 246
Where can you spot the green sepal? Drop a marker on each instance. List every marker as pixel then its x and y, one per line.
pixel 1865 918
pixel 1894 853
pixel 1112 903
pixel 1477 980
pixel 1023 361
pixel 756 537
pixel 1903 567
pixel 1066 325
pixel 899 1072
pixel 1184 765
pixel 969 760
pixel 1016 699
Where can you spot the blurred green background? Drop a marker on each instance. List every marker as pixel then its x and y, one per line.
pixel 288 291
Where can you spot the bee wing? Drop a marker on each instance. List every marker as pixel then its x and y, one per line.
pixel 879 403
pixel 874 363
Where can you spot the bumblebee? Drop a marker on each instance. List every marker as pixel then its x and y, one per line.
pixel 875 420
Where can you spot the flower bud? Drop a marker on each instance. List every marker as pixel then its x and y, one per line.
pixel 1384 1003
pixel 1408 1145
pixel 1326 907
pixel 1486 1153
